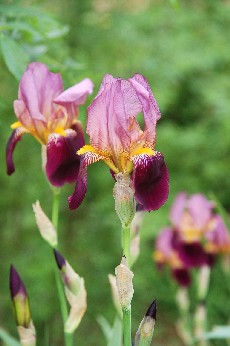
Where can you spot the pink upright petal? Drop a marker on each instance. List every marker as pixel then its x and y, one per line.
pixel 200 208
pixel 164 242
pixel 76 94
pixel 13 140
pixel 178 209
pixel 112 123
pixel 219 237
pixel 151 181
pixel 63 163
pixel 38 88
pixel 149 105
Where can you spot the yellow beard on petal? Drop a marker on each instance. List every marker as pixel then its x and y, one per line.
pixel 42 138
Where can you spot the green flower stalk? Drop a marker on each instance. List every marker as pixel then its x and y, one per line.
pixel 20 301
pixel 145 331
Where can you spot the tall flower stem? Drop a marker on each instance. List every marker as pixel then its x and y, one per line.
pixel 200 317
pixel 127 327
pixel 126 313
pixel 126 243
pixel 61 294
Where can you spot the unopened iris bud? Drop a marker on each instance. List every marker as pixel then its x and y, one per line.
pixel 70 278
pixel 145 331
pixel 124 284
pixel 75 293
pixel 45 226
pixel 20 300
pixel 125 204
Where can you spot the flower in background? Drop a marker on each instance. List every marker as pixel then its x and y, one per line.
pixel 117 138
pixel 197 235
pixel 192 217
pixel 49 113
pixel 218 239
pixel 166 253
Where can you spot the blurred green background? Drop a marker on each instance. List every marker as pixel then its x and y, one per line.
pixel 183 50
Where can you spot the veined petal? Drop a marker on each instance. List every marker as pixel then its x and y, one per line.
pixel 38 88
pixel 76 94
pixel 112 123
pixel 151 180
pixel 77 197
pixel 63 163
pixel 13 140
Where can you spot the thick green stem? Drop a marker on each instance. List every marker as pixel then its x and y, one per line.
pixel 127 327
pixel 126 313
pixel 55 206
pixel 61 294
pixel 126 243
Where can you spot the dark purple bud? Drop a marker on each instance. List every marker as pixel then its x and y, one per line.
pixel 59 259
pixel 19 299
pixel 152 310
pixel 16 284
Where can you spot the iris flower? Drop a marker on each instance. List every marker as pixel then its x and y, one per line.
pixel 118 139
pixel 192 217
pixel 166 253
pixel 49 113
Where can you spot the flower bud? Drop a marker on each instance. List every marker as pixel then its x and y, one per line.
pixel 27 335
pixel 124 284
pixel 145 331
pixel 20 299
pixel 75 293
pixel 70 278
pixel 123 193
pixel 78 306
pixel 45 226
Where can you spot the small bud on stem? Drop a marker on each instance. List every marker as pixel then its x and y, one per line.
pixel 125 204
pixel 20 300
pixel 145 331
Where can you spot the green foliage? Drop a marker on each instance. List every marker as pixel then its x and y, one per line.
pixel 7 339
pixel 113 334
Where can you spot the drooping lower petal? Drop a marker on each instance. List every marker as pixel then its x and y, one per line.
pixel 182 276
pixel 151 180
pixel 63 163
pixel 192 254
pixel 13 140
pixel 77 197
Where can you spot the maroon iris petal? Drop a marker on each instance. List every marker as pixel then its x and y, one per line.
pixel 63 163
pixel 81 187
pixel 182 276
pixel 13 140
pixel 192 254
pixel 151 181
